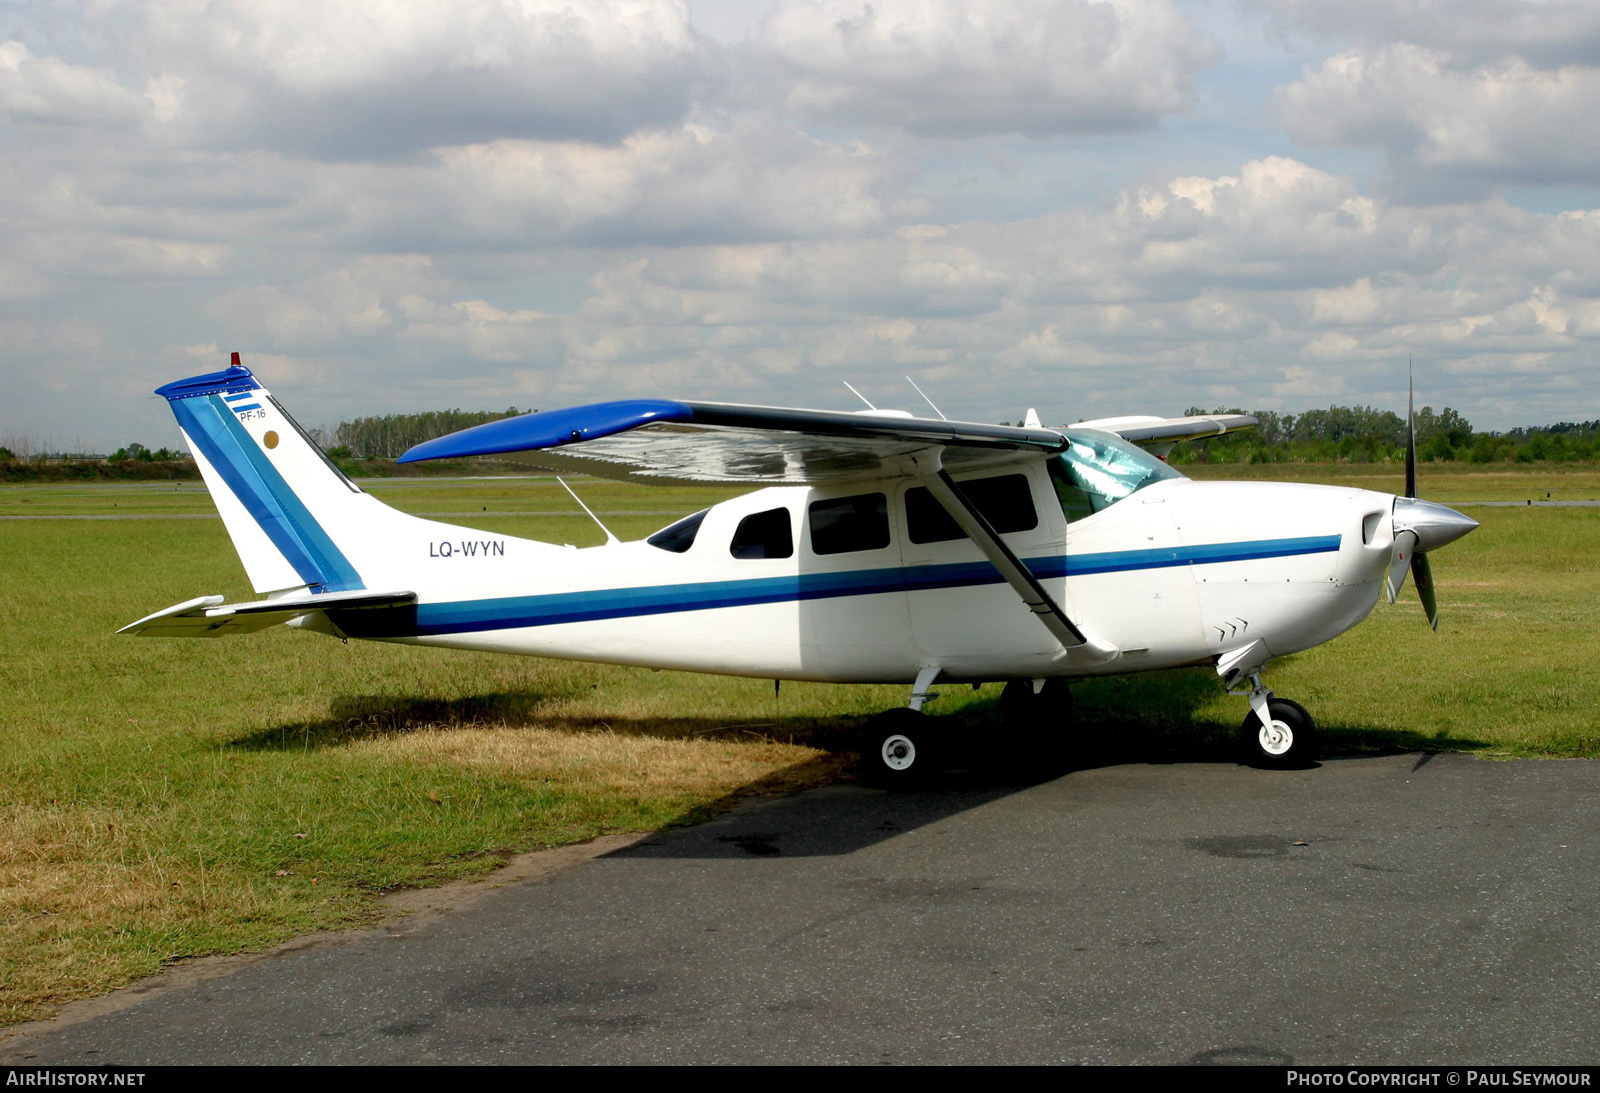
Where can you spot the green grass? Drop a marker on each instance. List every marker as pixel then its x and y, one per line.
pixel 1447 482
pixel 163 799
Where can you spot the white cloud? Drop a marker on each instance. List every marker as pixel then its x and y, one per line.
pixel 341 79
pixel 1278 285
pixel 1547 33
pixel 139 213
pixel 602 202
pixel 1463 96
pixel 1503 122
pixel 696 184
pixel 366 298
pixel 963 68
pixel 47 91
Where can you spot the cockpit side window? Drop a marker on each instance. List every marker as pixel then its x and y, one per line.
pixel 679 537
pixel 768 534
pixel 1006 501
pixel 842 525
pixel 1098 470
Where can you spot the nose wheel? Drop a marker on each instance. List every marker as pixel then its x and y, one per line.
pixel 1284 739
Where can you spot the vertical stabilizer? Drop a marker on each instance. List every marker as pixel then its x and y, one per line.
pixel 273 487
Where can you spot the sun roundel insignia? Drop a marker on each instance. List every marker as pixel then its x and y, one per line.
pixel 271 439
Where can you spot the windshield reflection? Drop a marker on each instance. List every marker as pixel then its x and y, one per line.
pixel 1099 470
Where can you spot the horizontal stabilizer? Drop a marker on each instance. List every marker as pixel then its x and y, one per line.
pixel 209 616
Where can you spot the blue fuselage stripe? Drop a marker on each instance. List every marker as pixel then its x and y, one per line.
pixel 264 494
pixel 616 603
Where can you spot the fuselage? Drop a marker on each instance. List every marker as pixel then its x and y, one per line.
pixel 866 583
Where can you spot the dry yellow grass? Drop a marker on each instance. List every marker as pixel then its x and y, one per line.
pixel 93 897
pixel 616 763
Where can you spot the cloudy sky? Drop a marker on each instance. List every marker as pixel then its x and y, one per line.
pixel 1089 206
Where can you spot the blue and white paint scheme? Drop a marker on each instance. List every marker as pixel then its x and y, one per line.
pixel 881 548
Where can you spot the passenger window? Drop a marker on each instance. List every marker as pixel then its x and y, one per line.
pixel 1006 501
pixel 841 525
pixel 679 537
pixel 764 535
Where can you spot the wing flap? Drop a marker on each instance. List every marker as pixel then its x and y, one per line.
pixel 210 617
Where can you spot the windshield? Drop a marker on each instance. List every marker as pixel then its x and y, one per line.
pixel 1099 470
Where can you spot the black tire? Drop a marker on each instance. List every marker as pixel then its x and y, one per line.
pixel 1041 741
pixel 1291 744
pixel 900 750
pixel 1050 709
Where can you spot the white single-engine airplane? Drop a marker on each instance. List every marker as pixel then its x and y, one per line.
pixel 889 548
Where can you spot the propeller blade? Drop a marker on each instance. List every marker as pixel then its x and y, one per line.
pixel 1411 433
pixel 1405 547
pixel 1422 577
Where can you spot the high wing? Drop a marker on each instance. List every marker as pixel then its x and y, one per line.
pixel 663 441
pixel 210 617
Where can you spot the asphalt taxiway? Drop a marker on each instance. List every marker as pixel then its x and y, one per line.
pixel 1401 909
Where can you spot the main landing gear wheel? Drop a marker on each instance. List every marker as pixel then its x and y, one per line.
pixel 1039 728
pixel 900 750
pixel 1290 741
pixel 1021 708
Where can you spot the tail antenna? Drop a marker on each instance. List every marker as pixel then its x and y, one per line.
pixel 610 538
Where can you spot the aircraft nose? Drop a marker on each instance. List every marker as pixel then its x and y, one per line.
pixel 1433 524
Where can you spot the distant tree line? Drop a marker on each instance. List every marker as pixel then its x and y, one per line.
pixel 1363 434
pixel 138 453
pixel 389 436
pixel 1345 434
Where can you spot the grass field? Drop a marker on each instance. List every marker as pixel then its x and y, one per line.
pixel 165 799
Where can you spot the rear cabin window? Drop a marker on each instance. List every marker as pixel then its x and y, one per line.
pixel 842 525
pixel 679 537
pixel 1006 501
pixel 766 534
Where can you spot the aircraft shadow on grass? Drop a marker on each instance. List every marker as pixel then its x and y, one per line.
pixel 1148 718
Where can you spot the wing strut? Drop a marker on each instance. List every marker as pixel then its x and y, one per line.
pixel 1078 647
